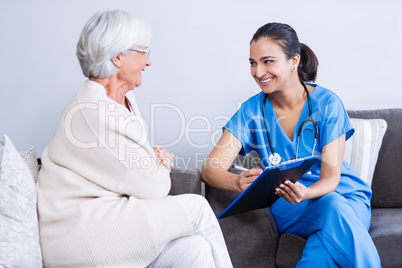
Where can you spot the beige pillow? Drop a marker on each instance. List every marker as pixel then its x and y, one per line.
pixel 361 150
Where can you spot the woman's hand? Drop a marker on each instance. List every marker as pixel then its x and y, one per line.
pixel 164 158
pixel 247 177
pixel 330 175
pixel 293 192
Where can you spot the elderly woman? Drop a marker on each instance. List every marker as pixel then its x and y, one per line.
pixel 102 190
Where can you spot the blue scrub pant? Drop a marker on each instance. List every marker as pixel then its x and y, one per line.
pixel 336 228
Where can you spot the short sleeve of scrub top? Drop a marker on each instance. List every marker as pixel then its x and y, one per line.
pixel 335 121
pixel 246 126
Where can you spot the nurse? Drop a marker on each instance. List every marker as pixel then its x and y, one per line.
pixel 330 205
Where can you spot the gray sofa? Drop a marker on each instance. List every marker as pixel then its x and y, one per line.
pixel 253 240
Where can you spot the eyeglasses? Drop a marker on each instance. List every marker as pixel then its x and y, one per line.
pixel 145 51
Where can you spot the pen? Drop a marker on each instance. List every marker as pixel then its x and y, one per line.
pixel 240 168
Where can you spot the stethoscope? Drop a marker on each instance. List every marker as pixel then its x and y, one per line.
pixel 275 158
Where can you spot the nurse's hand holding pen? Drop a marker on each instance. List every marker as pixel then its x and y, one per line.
pixel 247 177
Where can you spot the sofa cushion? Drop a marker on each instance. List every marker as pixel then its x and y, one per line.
pixel 361 150
pixel 290 249
pixel 386 185
pixel 386 231
pixel 19 233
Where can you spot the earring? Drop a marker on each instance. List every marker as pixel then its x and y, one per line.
pixel 294 69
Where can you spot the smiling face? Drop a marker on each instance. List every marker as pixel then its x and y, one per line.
pixel 133 63
pixel 270 67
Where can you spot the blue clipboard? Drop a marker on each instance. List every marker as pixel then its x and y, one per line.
pixel 261 193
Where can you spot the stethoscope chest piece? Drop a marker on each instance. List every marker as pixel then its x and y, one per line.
pixel 275 159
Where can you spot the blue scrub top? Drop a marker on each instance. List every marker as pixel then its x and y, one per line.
pixel 247 125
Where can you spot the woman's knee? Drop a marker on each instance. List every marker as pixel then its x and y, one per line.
pixel 194 199
pixel 196 252
pixel 331 203
pixel 188 251
pixel 336 206
pixel 196 208
pixel 194 202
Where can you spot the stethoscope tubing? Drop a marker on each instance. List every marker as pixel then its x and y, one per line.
pixel 309 119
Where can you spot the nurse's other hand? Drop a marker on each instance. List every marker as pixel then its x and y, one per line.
pixel 292 192
pixel 247 177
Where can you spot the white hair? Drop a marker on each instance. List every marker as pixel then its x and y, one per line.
pixel 105 35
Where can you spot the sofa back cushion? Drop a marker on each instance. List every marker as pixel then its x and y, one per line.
pixel 387 179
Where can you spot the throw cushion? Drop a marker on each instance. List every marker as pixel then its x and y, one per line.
pixel 361 150
pixel 19 235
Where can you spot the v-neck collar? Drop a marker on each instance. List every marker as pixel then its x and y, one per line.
pixel 270 109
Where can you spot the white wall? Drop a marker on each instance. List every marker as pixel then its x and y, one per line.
pixel 200 61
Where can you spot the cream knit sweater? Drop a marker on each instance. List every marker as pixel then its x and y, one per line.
pixel 102 200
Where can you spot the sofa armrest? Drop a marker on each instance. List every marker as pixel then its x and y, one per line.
pixel 185 181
